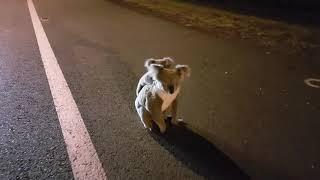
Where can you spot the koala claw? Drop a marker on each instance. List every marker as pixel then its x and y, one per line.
pixel 145 126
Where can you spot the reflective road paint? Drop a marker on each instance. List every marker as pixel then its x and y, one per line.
pixel 82 154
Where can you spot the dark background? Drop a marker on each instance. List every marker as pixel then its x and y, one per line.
pixel 306 12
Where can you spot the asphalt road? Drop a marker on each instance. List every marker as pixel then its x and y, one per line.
pixel 31 142
pixel 248 111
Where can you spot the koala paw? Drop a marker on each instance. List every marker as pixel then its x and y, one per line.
pixel 162 129
pixel 180 120
pixel 147 127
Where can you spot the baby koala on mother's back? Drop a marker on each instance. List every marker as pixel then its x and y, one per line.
pixel 166 62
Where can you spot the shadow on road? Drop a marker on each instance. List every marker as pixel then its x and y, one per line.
pixel 198 154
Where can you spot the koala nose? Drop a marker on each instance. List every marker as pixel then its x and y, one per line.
pixel 171 89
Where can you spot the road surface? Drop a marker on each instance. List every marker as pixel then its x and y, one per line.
pixel 248 111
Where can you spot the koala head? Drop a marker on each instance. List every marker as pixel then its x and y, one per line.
pixel 169 79
pixel 166 62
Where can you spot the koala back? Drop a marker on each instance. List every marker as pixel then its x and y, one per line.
pixel 148 97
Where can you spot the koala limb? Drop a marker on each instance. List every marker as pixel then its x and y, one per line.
pixel 146 118
pixel 174 109
pixel 158 118
pixel 144 115
pixel 144 80
pixel 139 87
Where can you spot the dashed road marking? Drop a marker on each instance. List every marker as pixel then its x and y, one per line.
pixel 82 154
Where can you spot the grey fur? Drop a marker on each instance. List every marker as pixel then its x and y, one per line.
pixel 149 102
pixel 166 62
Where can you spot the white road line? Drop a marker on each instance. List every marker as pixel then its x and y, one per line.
pixel 82 154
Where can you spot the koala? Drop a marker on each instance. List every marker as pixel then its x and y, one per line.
pixel 166 62
pixel 153 100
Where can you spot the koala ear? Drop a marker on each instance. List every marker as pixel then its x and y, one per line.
pixel 183 70
pixel 168 61
pixel 155 68
pixel 148 62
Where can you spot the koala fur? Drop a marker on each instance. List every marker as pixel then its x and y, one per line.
pixel 166 62
pixel 153 100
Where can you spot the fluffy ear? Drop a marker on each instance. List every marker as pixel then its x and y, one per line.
pixel 155 69
pixel 183 71
pixel 148 62
pixel 168 62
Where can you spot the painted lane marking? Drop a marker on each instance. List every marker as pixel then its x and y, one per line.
pixel 82 154
pixel 310 82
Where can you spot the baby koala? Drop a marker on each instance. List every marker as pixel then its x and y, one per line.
pixel 154 99
pixel 166 62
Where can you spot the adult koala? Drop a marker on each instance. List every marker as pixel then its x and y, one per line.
pixel 153 100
